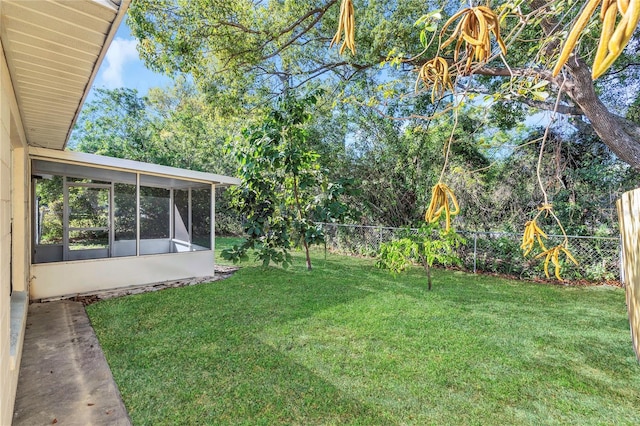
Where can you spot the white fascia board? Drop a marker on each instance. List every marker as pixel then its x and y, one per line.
pixel 101 161
pixel 109 4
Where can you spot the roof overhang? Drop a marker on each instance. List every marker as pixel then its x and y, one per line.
pixel 53 50
pixel 119 164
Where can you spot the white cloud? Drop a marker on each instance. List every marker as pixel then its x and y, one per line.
pixel 119 54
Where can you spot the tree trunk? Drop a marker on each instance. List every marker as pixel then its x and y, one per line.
pixel 306 252
pixel 304 241
pixel 427 268
pixel 619 134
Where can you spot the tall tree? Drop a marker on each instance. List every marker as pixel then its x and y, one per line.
pixel 283 192
pixel 248 48
pixel 187 133
pixel 115 124
pixel 172 127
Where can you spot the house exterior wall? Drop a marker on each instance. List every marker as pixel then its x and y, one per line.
pixel 14 241
pixel 21 209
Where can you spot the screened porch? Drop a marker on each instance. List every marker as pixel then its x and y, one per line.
pixel 105 213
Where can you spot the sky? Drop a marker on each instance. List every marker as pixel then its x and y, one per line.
pixel 122 67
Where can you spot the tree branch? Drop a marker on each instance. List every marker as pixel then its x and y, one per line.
pixel 319 12
pixel 242 28
pixel 523 72
pixel 560 109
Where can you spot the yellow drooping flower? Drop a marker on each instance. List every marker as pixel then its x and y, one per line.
pixel 532 232
pixel 346 23
pixel 441 196
pixel 613 39
pixel 474 29
pixel 553 255
pixel 435 74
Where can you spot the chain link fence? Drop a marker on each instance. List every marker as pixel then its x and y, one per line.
pixel 598 257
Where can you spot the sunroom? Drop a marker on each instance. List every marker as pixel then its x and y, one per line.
pixel 101 223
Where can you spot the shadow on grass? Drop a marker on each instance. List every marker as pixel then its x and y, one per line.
pixel 241 381
pixel 347 343
pixel 191 356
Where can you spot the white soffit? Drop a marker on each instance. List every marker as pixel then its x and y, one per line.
pixel 54 49
pixel 119 164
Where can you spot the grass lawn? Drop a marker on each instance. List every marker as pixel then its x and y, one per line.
pixel 349 344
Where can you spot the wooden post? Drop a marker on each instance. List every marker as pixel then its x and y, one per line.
pixel 629 217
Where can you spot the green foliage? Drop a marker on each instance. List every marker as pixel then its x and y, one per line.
pixel 425 245
pixel 172 127
pixel 115 124
pixel 281 194
pixel 583 180
pixel 243 50
pixel 50 210
pixel 51 228
pixel 598 272
pixel 241 53
pixel 503 255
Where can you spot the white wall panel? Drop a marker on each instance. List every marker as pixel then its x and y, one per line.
pixel 61 279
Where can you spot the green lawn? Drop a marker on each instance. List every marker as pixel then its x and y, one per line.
pixel 349 344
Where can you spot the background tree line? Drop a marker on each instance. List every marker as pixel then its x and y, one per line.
pixel 392 164
pixel 233 60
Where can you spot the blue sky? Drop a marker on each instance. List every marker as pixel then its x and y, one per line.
pixel 122 67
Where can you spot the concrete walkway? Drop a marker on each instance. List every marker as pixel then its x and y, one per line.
pixel 64 377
